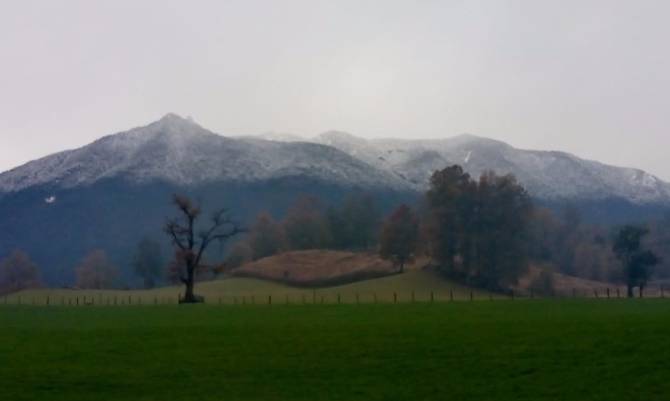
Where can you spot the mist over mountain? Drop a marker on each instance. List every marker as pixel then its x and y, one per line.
pixel 115 191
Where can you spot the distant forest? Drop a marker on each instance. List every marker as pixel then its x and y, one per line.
pixel 483 232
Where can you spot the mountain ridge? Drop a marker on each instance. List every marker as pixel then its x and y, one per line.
pixel 115 191
pixel 180 151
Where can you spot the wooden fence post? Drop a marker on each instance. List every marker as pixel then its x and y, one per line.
pixel 451 295
pixel 339 300
pixel 432 297
pixel 608 293
pixel 269 299
pixel 395 298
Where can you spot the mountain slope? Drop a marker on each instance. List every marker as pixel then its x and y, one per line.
pixel 179 151
pixel 110 194
pixel 548 175
pixel 117 190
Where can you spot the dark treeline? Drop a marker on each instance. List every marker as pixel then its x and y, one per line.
pixel 473 231
pixel 484 232
pixel 309 224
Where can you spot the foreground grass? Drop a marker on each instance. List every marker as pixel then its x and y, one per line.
pixel 501 350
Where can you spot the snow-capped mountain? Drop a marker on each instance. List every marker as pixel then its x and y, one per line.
pixel 547 175
pixel 179 151
pixel 115 191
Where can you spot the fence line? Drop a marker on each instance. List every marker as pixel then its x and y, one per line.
pixel 315 297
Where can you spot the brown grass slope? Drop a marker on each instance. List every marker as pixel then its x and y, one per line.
pixel 318 268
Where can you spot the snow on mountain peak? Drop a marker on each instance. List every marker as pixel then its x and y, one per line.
pixel 178 150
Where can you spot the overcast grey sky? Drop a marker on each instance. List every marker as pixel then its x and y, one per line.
pixel 588 77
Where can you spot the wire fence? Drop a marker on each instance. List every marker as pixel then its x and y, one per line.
pixel 315 297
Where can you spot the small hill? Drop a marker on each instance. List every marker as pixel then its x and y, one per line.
pixel 317 268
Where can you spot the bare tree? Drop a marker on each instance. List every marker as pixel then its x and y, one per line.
pixel 18 272
pixel 191 243
pixel 95 271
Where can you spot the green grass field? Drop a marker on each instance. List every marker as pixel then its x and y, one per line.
pixel 501 350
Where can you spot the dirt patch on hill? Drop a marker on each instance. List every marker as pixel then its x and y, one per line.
pixel 318 267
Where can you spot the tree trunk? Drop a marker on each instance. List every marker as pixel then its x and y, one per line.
pixel 402 266
pixel 630 290
pixel 641 291
pixel 189 295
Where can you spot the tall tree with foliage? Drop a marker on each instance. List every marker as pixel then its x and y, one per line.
pixel 191 242
pixel 498 246
pixel 637 262
pixel 477 229
pixel 399 236
pixel 148 262
pixel 18 272
pixel 450 200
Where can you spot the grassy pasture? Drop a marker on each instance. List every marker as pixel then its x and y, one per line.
pixel 503 350
pixel 249 290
